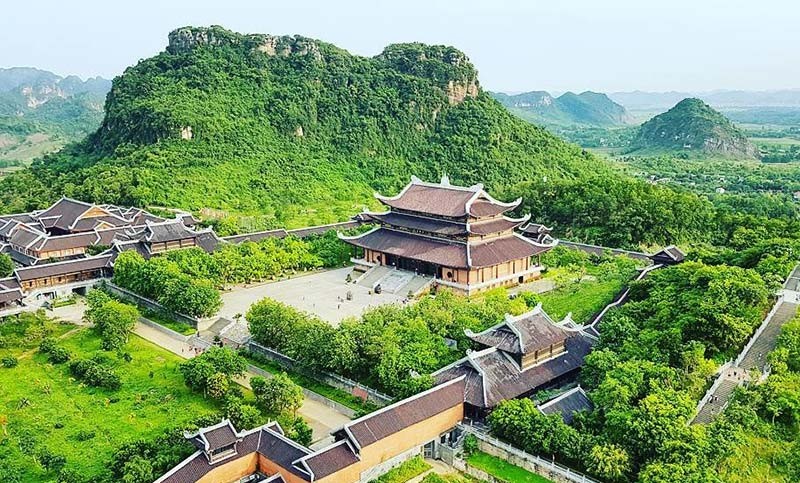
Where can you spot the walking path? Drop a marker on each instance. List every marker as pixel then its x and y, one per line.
pixel 320 417
pixel 753 356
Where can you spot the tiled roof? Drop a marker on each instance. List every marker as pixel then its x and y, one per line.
pixel 23 236
pixel 483 208
pixel 167 231
pixel 433 200
pixel 63 213
pixel 267 440
pixel 216 437
pixel 416 247
pixel 567 404
pixel 9 295
pixel 331 459
pixel 65 242
pixel 492 376
pixel 522 334
pixel 501 250
pixel 497 225
pixel 398 416
pixel 7 283
pixel 671 254
pixel 420 223
pixel 62 268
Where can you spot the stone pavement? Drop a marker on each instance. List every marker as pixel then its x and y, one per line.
pixel 320 293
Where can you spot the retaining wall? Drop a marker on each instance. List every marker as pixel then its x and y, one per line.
pixel 339 382
pixel 124 293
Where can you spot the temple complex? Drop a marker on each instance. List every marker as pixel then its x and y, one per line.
pixel 460 236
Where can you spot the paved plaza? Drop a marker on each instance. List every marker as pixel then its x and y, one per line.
pixel 321 293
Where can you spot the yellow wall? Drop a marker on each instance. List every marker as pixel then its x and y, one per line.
pixel 398 443
pixel 231 471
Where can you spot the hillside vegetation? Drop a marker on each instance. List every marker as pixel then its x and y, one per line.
pixel 586 109
pixel 692 126
pixel 295 131
pixel 41 111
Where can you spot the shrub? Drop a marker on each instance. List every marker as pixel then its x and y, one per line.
pixel 58 355
pixel 95 374
pixel 46 345
pixel 9 361
pixel 84 435
pixel 470 444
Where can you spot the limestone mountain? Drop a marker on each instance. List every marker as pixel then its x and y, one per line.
pixel 41 111
pixel 587 108
pixel 692 126
pixel 263 131
pixel 291 128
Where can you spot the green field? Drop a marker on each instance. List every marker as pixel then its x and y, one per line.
pixel 503 470
pixel 46 410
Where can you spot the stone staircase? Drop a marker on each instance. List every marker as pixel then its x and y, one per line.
pixel 719 400
pixel 374 275
pixel 756 355
pixel 418 284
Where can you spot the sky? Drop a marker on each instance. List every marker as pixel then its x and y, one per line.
pixel 600 45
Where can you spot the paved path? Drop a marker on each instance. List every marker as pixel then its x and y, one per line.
pixel 320 417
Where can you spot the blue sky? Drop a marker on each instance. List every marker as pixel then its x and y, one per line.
pixel 602 45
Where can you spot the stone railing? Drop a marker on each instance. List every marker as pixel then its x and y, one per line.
pixel 760 329
pixel 717 381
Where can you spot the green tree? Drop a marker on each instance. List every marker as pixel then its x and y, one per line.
pixel 6 265
pixel 112 319
pixel 608 461
pixel 277 394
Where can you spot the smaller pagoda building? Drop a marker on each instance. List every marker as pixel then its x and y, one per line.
pixel 459 235
pixel 519 356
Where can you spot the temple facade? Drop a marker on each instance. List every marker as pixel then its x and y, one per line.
pixel 458 235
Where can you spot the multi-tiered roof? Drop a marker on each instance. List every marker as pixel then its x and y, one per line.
pixel 447 225
pixel 518 356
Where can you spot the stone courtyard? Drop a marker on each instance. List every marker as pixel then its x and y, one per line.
pixel 322 293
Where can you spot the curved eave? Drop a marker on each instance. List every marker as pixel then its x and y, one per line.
pixel 516 222
pixel 355 237
pixel 541 245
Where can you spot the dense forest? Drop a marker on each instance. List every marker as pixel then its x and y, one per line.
pixel 291 131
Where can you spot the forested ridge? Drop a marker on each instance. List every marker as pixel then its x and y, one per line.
pixel 293 131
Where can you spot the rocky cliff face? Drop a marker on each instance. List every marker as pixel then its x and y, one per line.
pixel 447 66
pixel 187 39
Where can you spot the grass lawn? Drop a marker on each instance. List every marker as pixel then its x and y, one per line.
pixel 409 469
pixel 503 470
pixel 46 409
pixel 583 299
pixel 22 333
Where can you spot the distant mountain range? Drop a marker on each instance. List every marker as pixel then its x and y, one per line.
pixel 41 111
pixel 692 126
pixel 587 108
pixel 636 100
